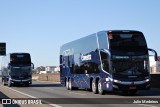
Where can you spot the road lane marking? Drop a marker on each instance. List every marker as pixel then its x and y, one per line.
pixel 147 105
pixel 76 93
pixel 53 105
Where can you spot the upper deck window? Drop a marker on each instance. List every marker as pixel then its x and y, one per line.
pixel 127 42
pixel 20 59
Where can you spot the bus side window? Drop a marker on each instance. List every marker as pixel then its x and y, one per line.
pixel 105 61
pixel 63 60
pixel 71 65
pixel 90 67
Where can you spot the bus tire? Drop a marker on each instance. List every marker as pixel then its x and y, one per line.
pixel 94 87
pixel 9 83
pixel 67 85
pixel 100 90
pixel 70 84
pixel 3 83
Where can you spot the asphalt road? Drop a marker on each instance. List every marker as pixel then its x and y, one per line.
pixel 55 95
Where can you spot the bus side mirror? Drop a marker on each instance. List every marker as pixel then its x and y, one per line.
pixel 155 54
pixel 32 65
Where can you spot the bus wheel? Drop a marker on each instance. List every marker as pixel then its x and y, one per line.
pixel 9 83
pixel 94 87
pixel 67 84
pixel 100 90
pixel 70 84
pixel 3 83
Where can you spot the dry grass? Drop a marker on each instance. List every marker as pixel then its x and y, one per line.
pixel 55 77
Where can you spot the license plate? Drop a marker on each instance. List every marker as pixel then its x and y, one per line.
pixel 132 88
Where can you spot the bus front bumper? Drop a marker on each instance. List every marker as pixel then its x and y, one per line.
pixel 135 85
pixel 25 81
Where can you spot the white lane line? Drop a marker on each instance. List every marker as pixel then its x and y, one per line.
pixel 76 93
pixel 53 105
pixel 148 105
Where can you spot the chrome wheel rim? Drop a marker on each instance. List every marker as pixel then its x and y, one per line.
pixel 93 87
pixel 99 87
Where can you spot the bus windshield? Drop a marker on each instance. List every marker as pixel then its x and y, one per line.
pixel 20 59
pixel 128 42
pixel 20 70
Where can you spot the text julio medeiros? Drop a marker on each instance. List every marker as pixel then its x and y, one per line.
pixel 144 101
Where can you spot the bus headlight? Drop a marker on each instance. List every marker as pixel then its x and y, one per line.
pixel 116 81
pixel 147 80
pixel 107 79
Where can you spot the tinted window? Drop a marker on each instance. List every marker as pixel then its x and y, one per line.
pixel 102 40
pixel 20 59
pixel 105 61
pixel 86 68
pixel 127 42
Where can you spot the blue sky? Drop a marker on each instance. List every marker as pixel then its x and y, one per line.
pixel 40 27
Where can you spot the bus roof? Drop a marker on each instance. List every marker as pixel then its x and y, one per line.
pixel 107 31
pixel 19 53
pixel 123 31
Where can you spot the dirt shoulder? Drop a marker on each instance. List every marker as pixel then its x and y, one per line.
pixel 55 77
